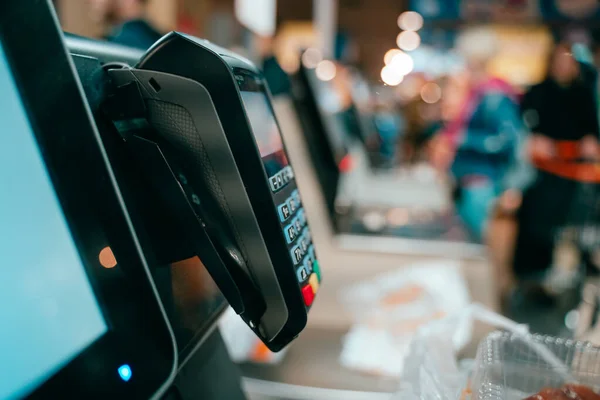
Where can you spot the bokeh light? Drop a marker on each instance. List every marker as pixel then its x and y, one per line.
pixel 398 217
pixel 410 21
pixel 389 55
pixel 408 40
pixel 326 70
pixel 311 58
pixel 374 221
pixel 402 63
pixel 431 93
pixel 410 88
pixel 391 76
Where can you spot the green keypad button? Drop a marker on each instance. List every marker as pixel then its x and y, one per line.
pixel 317 270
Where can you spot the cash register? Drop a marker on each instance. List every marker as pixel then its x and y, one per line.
pixel 80 315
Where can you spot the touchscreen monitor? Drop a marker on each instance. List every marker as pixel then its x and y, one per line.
pixel 79 316
pixel 52 314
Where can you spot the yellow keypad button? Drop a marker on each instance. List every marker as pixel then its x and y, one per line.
pixel 313 281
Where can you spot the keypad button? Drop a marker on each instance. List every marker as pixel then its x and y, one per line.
pixel 284 212
pixel 309 263
pixel 302 274
pixel 298 225
pixel 302 217
pixel 308 295
pixel 290 233
pixel 279 180
pixel 313 281
pixel 296 196
pixel 292 204
pixel 296 254
pixel 311 252
pixel 290 172
pixel 284 176
pixel 303 244
pixel 307 234
pixel 317 269
pixel 274 182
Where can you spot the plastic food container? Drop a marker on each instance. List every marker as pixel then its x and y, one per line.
pixel 513 367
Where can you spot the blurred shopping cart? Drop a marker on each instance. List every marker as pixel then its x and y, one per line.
pixel 573 275
pixel 568 215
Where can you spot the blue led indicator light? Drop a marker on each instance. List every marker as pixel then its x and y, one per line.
pixel 125 372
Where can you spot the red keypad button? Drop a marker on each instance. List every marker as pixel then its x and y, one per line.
pixel 308 294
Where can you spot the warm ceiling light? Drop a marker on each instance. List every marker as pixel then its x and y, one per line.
pixel 402 63
pixel 408 40
pixel 389 55
pixel 311 58
pixel 431 93
pixel 391 76
pixel 107 258
pixel 410 21
pixel 326 70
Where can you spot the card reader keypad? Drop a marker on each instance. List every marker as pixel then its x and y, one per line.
pixel 281 179
pixel 297 233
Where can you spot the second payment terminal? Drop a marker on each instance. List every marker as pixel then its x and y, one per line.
pixel 215 154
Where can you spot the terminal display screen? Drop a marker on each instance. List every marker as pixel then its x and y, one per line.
pixel 49 312
pixel 266 132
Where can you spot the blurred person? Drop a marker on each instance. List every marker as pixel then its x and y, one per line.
pixel 560 111
pixel 481 144
pixel 126 22
pixel 276 77
pixel 389 125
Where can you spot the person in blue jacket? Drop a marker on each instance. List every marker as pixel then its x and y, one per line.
pixel 484 143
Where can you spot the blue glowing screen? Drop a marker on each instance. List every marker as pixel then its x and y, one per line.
pixel 48 311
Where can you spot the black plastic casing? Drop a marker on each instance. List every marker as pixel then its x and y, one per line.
pixel 208 80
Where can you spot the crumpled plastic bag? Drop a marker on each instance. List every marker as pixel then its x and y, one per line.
pixel 389 309
pixel 431 370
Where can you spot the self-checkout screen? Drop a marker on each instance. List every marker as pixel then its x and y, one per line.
pixel 48 312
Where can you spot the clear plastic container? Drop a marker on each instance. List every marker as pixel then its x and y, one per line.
pixel 513 367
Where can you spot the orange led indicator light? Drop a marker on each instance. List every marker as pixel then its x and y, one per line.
pixel 107 258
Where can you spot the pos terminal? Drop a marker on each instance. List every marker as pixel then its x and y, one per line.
pixel 215 154
pixel 79 316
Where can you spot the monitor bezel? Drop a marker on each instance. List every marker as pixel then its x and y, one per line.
pixel 138 333
pixel 91 58
pixel 323 153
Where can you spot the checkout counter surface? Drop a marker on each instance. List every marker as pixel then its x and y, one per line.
pixel 311 368
pixel 312 361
